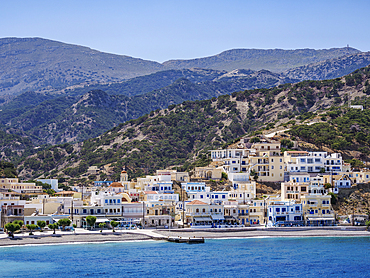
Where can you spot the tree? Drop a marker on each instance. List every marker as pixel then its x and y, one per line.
pixel 31 228
pixel 53 226
pixel 91 221
pixel 255 140
pixel 254 174
pixel 101 226
pixel 19 222
pixel 11 228
pixel 41 224
pixel 114 224
pixel 367 223
pixel 64 222
pixel 327 185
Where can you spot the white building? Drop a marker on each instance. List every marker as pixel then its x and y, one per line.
pixel 283 213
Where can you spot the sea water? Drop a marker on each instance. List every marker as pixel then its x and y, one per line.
pixel 259 257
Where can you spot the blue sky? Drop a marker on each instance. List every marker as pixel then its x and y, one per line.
pixel 164 30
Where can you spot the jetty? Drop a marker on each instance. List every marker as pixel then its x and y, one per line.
pixel 189 240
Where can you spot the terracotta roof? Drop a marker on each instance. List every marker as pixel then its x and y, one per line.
pixel 196 202
pixel 65 192
pixel 116 184
pixel 150 192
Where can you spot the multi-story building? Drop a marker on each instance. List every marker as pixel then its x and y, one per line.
pixel 294 190
pixel 317 210
pixel 14 185
pixel 263 157
pixel 151 196
pixel 159 214
pixel 192 187
pixel 285 213
pixel 231 212
pixel 243 211
pixel 258 212
pixel 198 213
pixel 12 208
pixel 312 162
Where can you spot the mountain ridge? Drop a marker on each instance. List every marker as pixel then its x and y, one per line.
pixel 36 63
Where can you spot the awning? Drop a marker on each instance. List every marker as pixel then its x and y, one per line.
pixel 102 220
pixel 319 219
pixel 199 219
pixel 217 217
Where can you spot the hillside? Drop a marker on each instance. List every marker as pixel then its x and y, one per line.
pixel 331 68
pixel 183 134
pixel 55 118
pixel 29 64
pixel 71 118
pixel 145 84
pixel 7 170
pixel 275 60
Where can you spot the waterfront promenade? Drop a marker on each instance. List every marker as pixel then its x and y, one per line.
pixel 86 236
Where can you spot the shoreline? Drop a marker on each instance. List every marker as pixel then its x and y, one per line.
pixel 94 237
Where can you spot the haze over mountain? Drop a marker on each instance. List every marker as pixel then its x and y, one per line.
pixel 29 64
pixel 35 63
pixel 275 60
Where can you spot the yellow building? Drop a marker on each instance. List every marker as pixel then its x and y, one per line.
pixel 294 190
pixel 317 210
pixel 208 172
pixel 258 212
pixel 265 158
pixel 14 185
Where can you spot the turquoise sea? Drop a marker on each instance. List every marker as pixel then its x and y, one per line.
pixel 258 257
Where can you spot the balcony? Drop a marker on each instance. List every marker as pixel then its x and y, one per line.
pixel 293 192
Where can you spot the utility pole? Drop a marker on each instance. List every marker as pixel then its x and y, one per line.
pixel 72 210
pixel 143 214
pixel 183 208
pixel 82 194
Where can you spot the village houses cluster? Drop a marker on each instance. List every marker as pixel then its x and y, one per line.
pixel 151 201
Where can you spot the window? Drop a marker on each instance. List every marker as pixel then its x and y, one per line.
pixel 272 160
pixel 201 196
pixel 204 210
pixel 272 167
pixel 281 160
pixel 309 160
pixel 223 196
pixel 317 160
pixel 303 160
pixel 281 167
pixel 197 210
pixel 283 209
pixel 277 209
